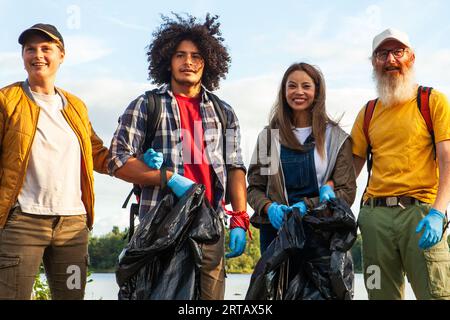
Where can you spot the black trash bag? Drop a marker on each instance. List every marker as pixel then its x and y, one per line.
pixel 163 258
pixel 310 258
pixel 290 241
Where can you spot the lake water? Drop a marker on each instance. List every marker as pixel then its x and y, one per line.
pixel 104 287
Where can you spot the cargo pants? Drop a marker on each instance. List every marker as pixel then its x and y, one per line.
pixel 391 251
pixel 59 241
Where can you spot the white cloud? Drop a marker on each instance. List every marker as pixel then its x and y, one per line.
pixel 346 103
pixel 79 50
pixel 360 29
pixel 83 49
pixel 433 68
pixel 341 51
pixel 252 97
pixel 11 65
pixel 127 25
pixel 106 99
pixel 110 194
pixel 331 35
pixel 107 93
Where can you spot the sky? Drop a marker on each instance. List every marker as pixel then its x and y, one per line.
pixel 106 63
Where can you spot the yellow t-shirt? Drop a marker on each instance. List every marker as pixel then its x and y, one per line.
pixel 403 155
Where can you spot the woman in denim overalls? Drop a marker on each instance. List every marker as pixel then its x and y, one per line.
pixel 308 158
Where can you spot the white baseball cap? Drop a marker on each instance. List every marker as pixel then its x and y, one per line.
pixel 390 34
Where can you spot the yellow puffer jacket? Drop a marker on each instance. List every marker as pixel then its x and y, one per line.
pixel 18 121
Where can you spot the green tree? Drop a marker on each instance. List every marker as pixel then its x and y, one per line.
pixel 41 290
pixel 104 250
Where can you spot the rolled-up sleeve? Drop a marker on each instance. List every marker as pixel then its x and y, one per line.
pixel 129 135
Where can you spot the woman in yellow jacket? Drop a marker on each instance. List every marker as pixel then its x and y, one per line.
pixel 48 151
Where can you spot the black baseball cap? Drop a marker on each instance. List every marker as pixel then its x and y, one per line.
pixel 46 29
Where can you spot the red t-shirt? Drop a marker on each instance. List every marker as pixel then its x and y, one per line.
pixel 196 163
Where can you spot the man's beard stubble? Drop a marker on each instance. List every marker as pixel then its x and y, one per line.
pixel 187 83
pixel 394 90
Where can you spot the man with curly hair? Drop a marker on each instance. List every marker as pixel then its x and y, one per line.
pixel 187 59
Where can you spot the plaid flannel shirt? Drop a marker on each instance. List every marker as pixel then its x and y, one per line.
pixel 129 138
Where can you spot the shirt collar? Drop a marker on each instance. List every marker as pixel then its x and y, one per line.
pixel 166 89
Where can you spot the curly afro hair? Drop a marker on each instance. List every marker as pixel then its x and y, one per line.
pixel 207 38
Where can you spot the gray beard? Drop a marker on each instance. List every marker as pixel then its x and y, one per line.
pixel 395 90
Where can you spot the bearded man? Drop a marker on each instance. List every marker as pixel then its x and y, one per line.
pixel 403 212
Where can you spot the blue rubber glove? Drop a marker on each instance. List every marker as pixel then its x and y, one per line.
pixel 301 206
pixel 326 193
pixel 433 223
pixel 237 242
pixel 179 184
pixel 276 213
pixel 153 159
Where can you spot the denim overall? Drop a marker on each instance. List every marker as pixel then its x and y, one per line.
pixel 300 179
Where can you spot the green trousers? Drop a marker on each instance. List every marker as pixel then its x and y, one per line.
pixel 391 251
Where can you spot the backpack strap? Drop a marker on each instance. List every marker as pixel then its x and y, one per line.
pixel 154 110
pixel 423 103
pixel 220 111
pixel 368 114
pixel 370 108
